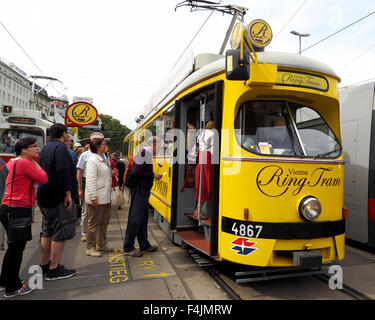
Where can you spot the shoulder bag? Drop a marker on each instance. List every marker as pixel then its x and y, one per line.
pixel 19 219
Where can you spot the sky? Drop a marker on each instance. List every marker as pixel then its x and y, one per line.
pixel 118 52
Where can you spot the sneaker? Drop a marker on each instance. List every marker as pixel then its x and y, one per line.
pixel 93 253
pixel 25 289
pixel 151 249
pixel 59 273
pixel 45 267
pixel 134 253
pixel 84 238
pixel 2 288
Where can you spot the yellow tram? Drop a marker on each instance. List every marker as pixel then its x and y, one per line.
pixel 277 165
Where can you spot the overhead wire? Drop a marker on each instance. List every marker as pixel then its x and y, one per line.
pixel 342 29
pixel 290 19
pixel 107 80
pixel 357 58
pixel 107 93
pixel 23 50
pixel 357 83
pixel 27 55
pixel 191 41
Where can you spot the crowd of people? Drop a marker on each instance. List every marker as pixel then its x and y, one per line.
pixel 77 185
pixel 68 186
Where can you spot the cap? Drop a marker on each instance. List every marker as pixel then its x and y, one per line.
pixel 96 135
pixel 77 144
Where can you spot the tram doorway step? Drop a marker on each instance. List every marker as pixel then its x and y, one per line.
pixel 243 277
pixel 196 240
pixel 205 226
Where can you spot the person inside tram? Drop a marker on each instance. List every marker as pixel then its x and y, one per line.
pixel 7 147
pixel 205 141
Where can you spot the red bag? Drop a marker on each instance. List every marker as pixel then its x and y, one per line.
pixel 129 180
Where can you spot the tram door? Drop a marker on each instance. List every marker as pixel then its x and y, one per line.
pixel 191 114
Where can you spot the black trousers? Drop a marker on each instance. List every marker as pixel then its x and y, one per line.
pixel 137 220
pixel 10 269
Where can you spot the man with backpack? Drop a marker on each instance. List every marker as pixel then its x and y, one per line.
pixel 140 178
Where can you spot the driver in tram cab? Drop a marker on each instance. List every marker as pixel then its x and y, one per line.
pixel 7 147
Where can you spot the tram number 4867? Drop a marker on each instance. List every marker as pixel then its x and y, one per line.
pixel 249 231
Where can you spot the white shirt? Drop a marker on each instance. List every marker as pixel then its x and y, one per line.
pixel 82 161
pixel 206 140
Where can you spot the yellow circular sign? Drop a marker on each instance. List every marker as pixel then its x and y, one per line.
pixel 81 114
pixel 260 33
pixel 235 39
pixel 74 130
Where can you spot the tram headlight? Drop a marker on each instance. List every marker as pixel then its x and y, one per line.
pixel 310 208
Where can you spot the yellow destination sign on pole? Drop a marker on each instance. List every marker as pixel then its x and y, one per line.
pixel 80 114
pixel 235 40
pixel 260 33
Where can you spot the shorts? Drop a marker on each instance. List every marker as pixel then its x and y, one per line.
pixel 58 223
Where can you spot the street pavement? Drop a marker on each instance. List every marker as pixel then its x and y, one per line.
pixel 168 274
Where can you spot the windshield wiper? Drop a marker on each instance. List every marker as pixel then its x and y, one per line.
pixel 322 155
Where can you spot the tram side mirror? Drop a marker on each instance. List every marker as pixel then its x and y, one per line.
pixel 235 68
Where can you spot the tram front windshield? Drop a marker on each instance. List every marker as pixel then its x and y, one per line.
pixel 10 137
pixel 284 128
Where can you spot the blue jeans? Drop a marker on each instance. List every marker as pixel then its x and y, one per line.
pixel 137 220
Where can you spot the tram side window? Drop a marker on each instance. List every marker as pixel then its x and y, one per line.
pixel 317 137
pixel 10 137
pixel 261 127
pixel 168 131
pixel 131 148
pixel 126 148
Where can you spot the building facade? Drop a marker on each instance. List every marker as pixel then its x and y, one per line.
pixel 15 89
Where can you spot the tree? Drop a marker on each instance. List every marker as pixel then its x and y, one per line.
pixel 112 129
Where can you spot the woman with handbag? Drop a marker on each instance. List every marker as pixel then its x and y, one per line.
pixel 16 212
pixel 97 196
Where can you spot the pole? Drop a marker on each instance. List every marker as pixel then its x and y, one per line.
pixel 228 33
pixel 202 121
pixel 75 137
pixel 300 36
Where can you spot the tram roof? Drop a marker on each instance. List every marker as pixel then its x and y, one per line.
pixel 281 59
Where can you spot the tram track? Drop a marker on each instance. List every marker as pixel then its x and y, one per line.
pixel 345 289
pixel 223 285
pixel 228 282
